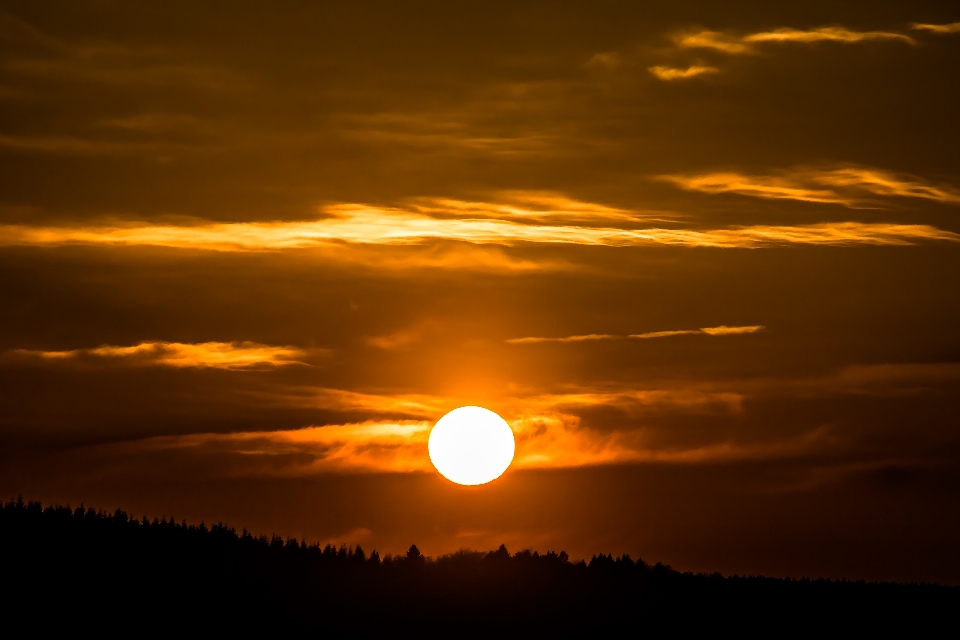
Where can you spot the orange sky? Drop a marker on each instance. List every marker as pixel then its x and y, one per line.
pixel 703 258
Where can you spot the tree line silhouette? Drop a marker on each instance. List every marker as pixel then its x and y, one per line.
pixel 62 566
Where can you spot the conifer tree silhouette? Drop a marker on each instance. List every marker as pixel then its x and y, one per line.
pixel 62 565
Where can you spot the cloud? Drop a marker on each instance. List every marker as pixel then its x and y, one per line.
pixel 157 126
pixel 755 186
pixel 884 183
pixel 550 441
pixel 847 186
pixel 401 259
pixel 537 206
pixel 394 340
pixel 712 331
pixel 692 398
pixel 355 224
pixel 736 45
pixel 825 34
pixel 712 40
pixel 937 28
pixel 604 59
pixel 583 338
pixel 407 405
pixel 879 380
pixel 74 145
pixel 34 53
pixel 548 435
pixel 663 334
pixel 218 355
pixel 398 446
pixel 832 234
pixel 156 122
pixel 729 331
pixel 544 440
pixel 672 73
pixel 555 430
pixel 445 130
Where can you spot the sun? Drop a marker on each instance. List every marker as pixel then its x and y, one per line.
pixel 471 445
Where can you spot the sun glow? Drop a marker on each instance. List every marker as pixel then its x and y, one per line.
pixel 471 445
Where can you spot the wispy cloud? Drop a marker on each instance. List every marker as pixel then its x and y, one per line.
pixel 884 183
pixel 537 206
pixel 673 73
pixel 550 429
pixel 360 224
pixel 712 40
pixel 953 27
pixel 825 34
pixel 543 441
pixel 711 331
pixel 548 439
pixel 219 355
pixel 394 340
pixel 771 187
pixel 75 145
pixel 581 338
pixel 450 131
pixel 399 339
pixel 729 331
pixel 32 52
pixel 556 441
pixel 398 446
pixel 664 334
pixel 737 44
pixel 604 59
pixel 391 405
pixel 847 186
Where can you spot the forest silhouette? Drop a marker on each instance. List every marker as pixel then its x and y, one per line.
pixel 65 567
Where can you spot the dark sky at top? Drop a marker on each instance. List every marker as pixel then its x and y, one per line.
pixel 704 257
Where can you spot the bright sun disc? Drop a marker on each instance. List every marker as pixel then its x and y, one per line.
pixel 471 445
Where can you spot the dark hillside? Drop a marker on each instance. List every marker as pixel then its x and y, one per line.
pixel 64 567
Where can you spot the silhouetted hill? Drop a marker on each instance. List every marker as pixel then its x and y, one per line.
pixel 70 568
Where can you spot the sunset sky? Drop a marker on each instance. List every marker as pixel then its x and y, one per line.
pixel 703 257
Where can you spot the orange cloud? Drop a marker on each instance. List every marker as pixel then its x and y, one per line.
pixel 219 355
pixel 359 224
pixel 712 40
pixel 544 440
pixel 631 401
pixel 883 183
pixel 825 34
pixel 663 334
pixel 443 129
pixel 399 446
pixel 548 431
pixel 756 186
pixel 846 186
pixel 729 331
pixel 672 73
pixel 535 206
pixel 581 338
pixel 311 397
pixel 735 45
pixel 712 331
pixel 953 27
pixel 394 340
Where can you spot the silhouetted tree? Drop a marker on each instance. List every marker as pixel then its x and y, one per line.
pixel 61 565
